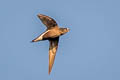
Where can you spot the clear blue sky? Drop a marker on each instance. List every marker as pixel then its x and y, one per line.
pixel 90 51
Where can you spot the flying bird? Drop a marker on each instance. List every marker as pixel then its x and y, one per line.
pixel 52 34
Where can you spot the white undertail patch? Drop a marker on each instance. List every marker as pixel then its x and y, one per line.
pixel 41 36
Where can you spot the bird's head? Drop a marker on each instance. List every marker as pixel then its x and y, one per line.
pixel 64 30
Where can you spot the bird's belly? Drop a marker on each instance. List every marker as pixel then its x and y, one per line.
pixel 51 34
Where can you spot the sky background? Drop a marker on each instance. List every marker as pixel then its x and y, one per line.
pixel 90 51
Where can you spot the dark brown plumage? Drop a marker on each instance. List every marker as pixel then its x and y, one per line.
pixel 52 34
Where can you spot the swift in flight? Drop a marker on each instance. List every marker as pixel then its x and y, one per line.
pixel 52 34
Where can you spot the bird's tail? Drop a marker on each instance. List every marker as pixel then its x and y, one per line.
pixel 39 38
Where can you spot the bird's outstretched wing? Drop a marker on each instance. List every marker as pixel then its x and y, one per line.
pixel 52 52
pixel 48 21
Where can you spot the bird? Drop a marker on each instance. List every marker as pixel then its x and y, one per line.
pixel 52 34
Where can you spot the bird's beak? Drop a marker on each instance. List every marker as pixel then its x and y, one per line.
pixel 68 29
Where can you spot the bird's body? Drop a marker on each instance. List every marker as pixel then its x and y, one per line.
pixel 49 34
pixel 52 33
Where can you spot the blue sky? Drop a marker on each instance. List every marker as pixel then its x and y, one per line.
pixel 90 51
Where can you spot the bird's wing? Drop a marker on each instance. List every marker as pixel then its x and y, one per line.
pixel 52 52
pixel 48 21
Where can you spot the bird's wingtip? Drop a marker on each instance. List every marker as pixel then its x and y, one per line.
pixel 49 73
pixel 32 41
pixel 39 15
